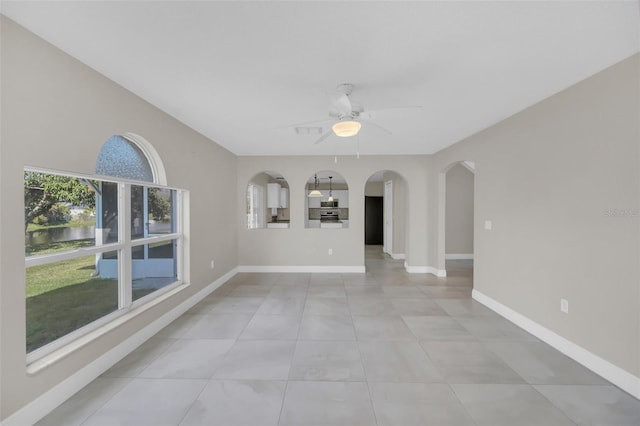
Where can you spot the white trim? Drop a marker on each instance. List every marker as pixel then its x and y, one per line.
pixel 304 269
pixel 616 375
pixel 45 403
pixel 103 178
pixel 440 273
pixel 469 165
pixel 397 256
pixel 458 256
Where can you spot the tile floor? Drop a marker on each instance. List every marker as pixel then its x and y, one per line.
pixel 384 348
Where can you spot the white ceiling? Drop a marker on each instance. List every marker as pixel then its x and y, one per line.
pixel 240 72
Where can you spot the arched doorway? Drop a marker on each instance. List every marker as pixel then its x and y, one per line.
pixel 386 215
pixel 456 218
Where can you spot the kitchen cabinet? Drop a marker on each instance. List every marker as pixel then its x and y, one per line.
pixel 314 202
pixel 273 195
pixel 314 223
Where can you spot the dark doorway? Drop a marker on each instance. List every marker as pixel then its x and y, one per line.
pixel 373 220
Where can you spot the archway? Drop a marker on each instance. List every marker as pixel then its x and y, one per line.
pixel 326 200
pixel 456 218
pixel 267 201
pixel 386 215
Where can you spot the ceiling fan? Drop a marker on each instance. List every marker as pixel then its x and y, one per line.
pixel 349 116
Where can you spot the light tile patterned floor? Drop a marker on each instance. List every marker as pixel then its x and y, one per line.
pixel 381 348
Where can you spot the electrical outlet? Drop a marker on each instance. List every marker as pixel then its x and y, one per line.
pixel 564 306
pixel 330 252
pixel 488 225
pixel 213 264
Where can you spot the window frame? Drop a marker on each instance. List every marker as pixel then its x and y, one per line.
pixel 256 204
pixel 123 247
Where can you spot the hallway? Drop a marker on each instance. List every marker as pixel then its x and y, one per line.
pixel 385 348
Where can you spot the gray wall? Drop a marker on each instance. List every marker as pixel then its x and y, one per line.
pixel 300 246
pixel 548 178
pixel 374 189
pixel 459 211
pixel 57 113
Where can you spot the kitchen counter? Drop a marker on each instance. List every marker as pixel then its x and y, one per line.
pixel 331 224
pixel 278 224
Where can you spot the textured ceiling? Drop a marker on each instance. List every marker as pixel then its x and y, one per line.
pixel 242 72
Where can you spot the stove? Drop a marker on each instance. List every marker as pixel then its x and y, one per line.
pixel 329 216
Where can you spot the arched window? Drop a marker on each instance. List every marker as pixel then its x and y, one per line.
pixel 119 157
pixel 117 242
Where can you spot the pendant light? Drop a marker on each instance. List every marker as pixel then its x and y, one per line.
pixel 315 193
pixel 330 193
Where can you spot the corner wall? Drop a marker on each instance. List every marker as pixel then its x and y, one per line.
pixel 560 182
pixel 56 114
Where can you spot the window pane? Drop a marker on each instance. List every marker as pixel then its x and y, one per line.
pixel 255 210
pixel 122 158
pixel 154 267
pixel 137 212
pixel 160 210
pixel 59 213
pixel 66 295
pixel 107 203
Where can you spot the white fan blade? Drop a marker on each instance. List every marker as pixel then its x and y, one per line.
pixel 340 106
pixel 323 137
pixel 371 123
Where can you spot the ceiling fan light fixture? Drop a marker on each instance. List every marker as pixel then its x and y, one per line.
pixel 346 128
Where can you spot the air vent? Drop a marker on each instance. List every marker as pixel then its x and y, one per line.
pixel 308 130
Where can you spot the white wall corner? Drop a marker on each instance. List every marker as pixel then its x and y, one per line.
pixel 458 256
pixel 48 401
pixel 323 269
pixel 616 375
pixel 397 256
pixel 440 273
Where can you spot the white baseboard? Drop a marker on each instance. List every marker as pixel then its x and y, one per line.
pixel 326 269
pixel 616 375
pixel 440 273
pixel 45 403
pixel 458 256
pixel 397 256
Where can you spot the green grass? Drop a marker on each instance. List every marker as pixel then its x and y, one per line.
pixel 64 296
